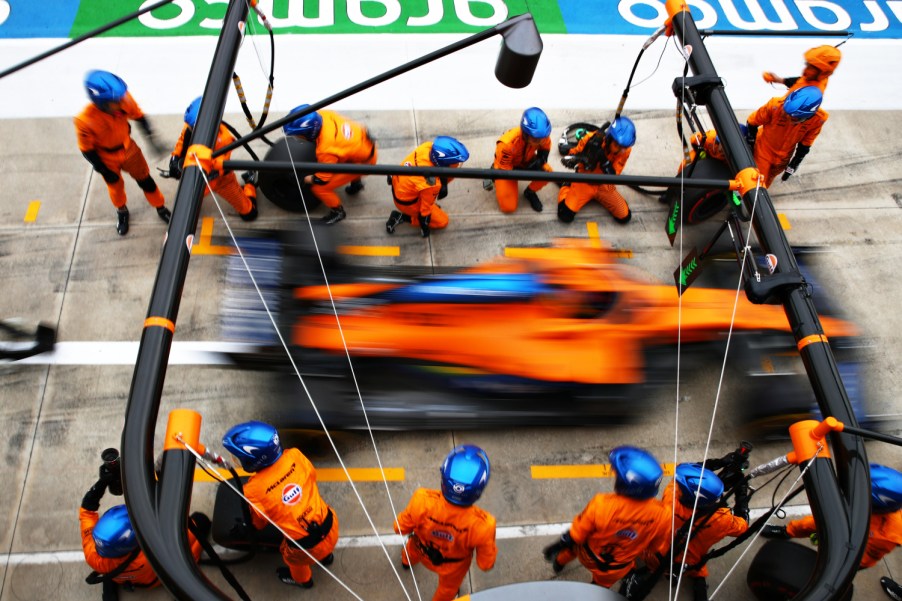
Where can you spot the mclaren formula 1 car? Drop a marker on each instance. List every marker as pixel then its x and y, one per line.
pixel 559 335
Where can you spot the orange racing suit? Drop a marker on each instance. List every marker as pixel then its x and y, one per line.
pixel 706 532
pixel 415 195
pixel 777 140
pixel 443 537
pixel 110 136
pixel 224 183
pixel 138 573
pixel 884 534
pixel 340 140
pixel 612 531
pixel 287 493
pixel 577 195
pixel 512 151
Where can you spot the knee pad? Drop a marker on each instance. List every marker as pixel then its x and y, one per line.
pixel 147 184
pixel 624 220
pixel 564 213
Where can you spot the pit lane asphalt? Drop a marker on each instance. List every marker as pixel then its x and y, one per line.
pixel 69 269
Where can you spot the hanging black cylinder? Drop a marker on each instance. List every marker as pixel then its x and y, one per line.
pixel 281 188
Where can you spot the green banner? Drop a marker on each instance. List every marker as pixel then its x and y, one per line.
pixel 204 17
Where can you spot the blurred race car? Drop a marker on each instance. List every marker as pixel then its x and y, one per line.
pixel 558 335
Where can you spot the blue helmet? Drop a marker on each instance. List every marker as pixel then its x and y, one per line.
pixel 306 126
pixel 103 87
pixel 535 123
pixel 113 534
pixel 447 151
pixel 465 474
pixel 638 473
pixel 803 103
pixel 191 111
pixel 692 478
pixel 622 131
pixel 255 444
pixel 886 489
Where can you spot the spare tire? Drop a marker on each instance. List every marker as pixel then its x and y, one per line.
pixel 700 204
pixel 281 187
pixel 781 569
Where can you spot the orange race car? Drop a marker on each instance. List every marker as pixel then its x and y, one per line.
pixel 559 335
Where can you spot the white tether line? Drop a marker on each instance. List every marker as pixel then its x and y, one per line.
pixel 297 371
pixel 344 345
pixel 215 473
pixel 748 545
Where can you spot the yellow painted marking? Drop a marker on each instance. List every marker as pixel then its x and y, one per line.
pixel 204 245
pixel 593 234
pixel 328 474
pixel 371 251
pixel 597 470
pixel 784 222
pixel 32 213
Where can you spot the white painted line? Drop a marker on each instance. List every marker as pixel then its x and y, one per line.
pixel 126 353
pixel 357 542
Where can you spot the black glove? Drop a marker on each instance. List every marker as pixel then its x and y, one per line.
pixel 424 225
pixel 551 551
pixel 741 508
pixel 801 152
pixel 108 175
pixel 175 168
pixel 778 532
pixel 751 135
pixel 607 167
pixel 570 161
pixel 151 138
pixel 443 191
pixel 91 500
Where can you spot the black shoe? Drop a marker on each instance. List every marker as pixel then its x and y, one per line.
pixel 202 525
pixel 328 559
pixel 164 214
pixel 354 187
pixel 122 225
pixel 778 532
pixel 404 566
pixel 249 177
pixel 556 566
pixel 891 588
pixel 533 199
pixel 699 589
pixel 250 215
pixel 335 215
pixel 284 575
pixel 394 220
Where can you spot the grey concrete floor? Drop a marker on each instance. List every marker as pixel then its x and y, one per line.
pixel 70 269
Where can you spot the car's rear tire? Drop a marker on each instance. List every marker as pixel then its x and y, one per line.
pixel 781 569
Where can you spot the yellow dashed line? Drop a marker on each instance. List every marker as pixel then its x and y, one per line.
pixel 784 221
pixel 371 251
pixel 593 234
pixel 32 213
pixel 597 470
pixel 328 474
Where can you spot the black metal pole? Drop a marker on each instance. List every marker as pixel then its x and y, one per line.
pixel 82 38
pixel 466 173
pixel 874 435
pixel 842 525
pixel 418 62
pixel 141 490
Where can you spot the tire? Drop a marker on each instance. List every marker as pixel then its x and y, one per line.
pixel 281 188
pixel 780 569
pixel 700 204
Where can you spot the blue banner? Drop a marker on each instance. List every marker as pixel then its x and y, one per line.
pixel 37 18
pixel 863 18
